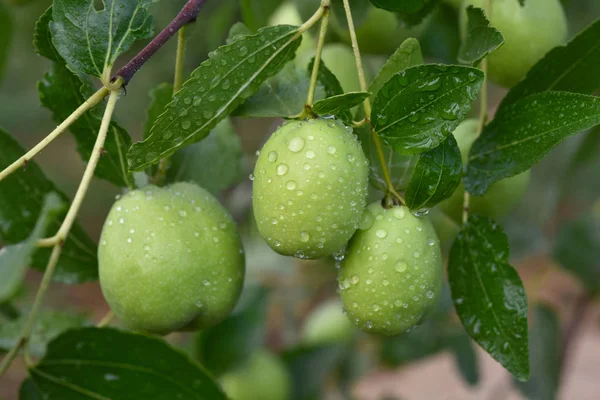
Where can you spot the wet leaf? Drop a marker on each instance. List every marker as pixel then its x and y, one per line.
pixel 481 38
pixel 339 104
pixel 488 294
pixel 419 107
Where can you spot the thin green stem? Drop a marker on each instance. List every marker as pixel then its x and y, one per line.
pixel 106 319
pixel 315 71
pixel 9 357
pixel 87 105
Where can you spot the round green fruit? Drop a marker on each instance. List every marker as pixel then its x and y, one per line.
pixel 380 33
pixel 391 277
pixel 262 377
pixel 501 197
pixel 327 324
pixel 170 258
pixel 310 188
pixel 529 31
pixel 287 14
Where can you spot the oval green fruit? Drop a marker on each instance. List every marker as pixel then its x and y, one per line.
pixel 500 199
pixel 170 258
pixel 263 376
pixel 529 31
pixel 310 188
pixel 391 277
pixel 327 324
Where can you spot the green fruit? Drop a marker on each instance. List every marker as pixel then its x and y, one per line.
pixel 529 33
pixel 391 277
pixel 310 188
pixel 380 33
pixel 287 14
pixel 327 324
pixel 170 258
pixel 501 197
pixel 262 377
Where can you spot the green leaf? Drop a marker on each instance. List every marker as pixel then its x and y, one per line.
pixel 326 78
pixel 577 248
pixel 337 105
pixel 422 342
pixel 216 163
pixel 280 96
pixel 6 34
pixel 488 294
pixel 48 325
pixel 256 13
pixel 418 108
pixel 90 40
pixel 160 97
pixel 404 6
pixel 16 258
pixel 414 18
pixel 524 132
pixel 61 91
pixel 406 56
pixel 21 199
pixel 237 31
pixel 465 357
pixel 310 367
pixel 111 364
pixel 481 39
pixel 232 73
pixel 569 68
pixel 231 342
pixel 545 344
pixel 436 176
pixel 29 391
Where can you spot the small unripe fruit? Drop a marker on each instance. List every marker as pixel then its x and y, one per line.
pixel 391 277
pixel 499 200
pixel 327 324
pixel 529 31
pixel 170 258
pixel 262 377
pixel 310 188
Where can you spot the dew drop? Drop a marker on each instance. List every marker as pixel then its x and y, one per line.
pixel 381 233
pixel 290 185
pixel 296 144
pixel 310 154
pixel 304 237
pixel 282 169
pixel 399 213
pixel 401 266
pixel 272 156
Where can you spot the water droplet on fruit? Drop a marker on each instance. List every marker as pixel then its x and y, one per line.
pixel 310 154
pixel 296 144
pixel 381 233
pixel 331 150
pixel 399 213
pixel 304 237
pixel 290 185
pixel 401 266
pixel 282 169
pixel 272 156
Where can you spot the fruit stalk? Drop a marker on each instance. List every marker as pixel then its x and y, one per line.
pixel 315 72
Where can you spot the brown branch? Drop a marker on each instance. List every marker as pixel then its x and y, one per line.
pixel 188 14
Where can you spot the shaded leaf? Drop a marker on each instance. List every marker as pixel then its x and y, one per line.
pixel 406 56
pixel 6 34
pixel 21 199
pixel 524 132
pixel 436 176
pixel 111 364
pixel 231 342
pixel 488 294
pixel 339 104
pixel 90 40
pixel 216 163
pixel 424 341
pixel 326 78
pixel 481 39
pixel 419 107
pixel 232 73
pixel 577 248
pixel 160 97
pixel 48 325
pixel 545 359
pixel 405 6
pixel 569 68
pixel 256 13
pixel 310 368
pixel 417 17
pixel 237 31
pixel 16 258
pixel 465 357
pixel 29 391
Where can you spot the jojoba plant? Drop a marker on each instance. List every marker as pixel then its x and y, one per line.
pixel 310 187
pixel 170 258
pixel 391 276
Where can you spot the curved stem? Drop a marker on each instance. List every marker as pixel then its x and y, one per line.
pixel 315 71
pixel 9 357
pixel 82 109
pixel 106 319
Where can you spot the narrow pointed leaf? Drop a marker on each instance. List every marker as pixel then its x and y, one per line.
pixel 232 74
pixel 89 40
pixel 337 105
pixel 465 357
pixel 488 294
pixel 418 108
pixel 481 38
pixel 406 56
pixel 569 68
pixel 524 132
pixel 326 78
pixel 15 259
pixel 21 199
pixel 111 364
pixel 436 176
